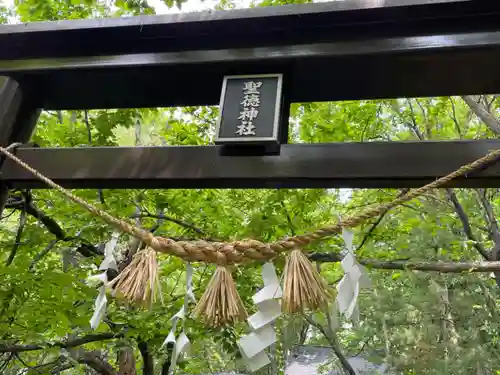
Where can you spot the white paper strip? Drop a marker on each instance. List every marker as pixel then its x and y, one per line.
pixel 268 312
pixel 171 335
pixel 269 274
pixel 181 344
pixel 348 237
pixel 181 314
pixel 364 280
pixel 102 277
pixel 272 288
pixel 253 345
pixel 268 292
pixel 189 285
pixel 348 262
pixel 109 262
pixel 344 294
pixel 257 341
pixel 334 317
pixel 99 308
pixel 256 362
pixel 354 301
pixel 355 273
pixel 354 279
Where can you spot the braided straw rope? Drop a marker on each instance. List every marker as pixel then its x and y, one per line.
pixel 242 251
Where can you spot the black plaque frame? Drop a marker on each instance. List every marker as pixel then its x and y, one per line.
pixel 279 113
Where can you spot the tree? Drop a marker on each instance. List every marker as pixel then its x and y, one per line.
pixel 415 321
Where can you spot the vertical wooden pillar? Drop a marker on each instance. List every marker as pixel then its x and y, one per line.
pixel 18 117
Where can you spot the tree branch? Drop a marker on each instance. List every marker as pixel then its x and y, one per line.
pixel 453 116
pixel 171 219
pixel 335 346
pixel 61 368
pixel 93 361
pixel 126 361
pixel 16 202
pixel 466 224
pixel 26 365
pixel 4 348
pixel 147 358
pixel 493 224
pixel 19 233
pixel 493 229
pixel 42 253
pixel 483 114
pixel 414 125
pixel 444 267
pixel 85 249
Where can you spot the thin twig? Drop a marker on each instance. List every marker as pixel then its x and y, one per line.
pixel 171 219
pixel 42 253
pixel 334 345
pixel 291 226
pixel 466 224
pixel 413 124
pixel 19 233
pixel 454 118
pixel 6 348
pixel 25 364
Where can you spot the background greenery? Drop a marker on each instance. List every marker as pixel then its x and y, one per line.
pixel 416 322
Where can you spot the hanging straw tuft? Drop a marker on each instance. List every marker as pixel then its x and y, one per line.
pixel 220 305
pixel 138 282
pixel 303 286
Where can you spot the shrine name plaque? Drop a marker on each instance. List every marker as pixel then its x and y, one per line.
pixel 251 109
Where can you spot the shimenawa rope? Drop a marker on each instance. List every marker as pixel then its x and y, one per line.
pixel 240 251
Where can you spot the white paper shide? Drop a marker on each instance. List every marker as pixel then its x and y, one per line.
pixel 181 343
pixel 355 278
pixel 109 262
pixel 253 345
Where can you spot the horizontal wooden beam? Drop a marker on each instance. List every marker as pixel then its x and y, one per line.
pixel 354 165
pixel 240 28
pixel 437 65
pixel 415 48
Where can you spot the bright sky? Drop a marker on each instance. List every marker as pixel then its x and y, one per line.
pixel 189 6
pixel 200 5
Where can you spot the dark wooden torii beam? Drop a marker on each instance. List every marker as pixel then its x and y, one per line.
pixel 355 165
pixel 329 51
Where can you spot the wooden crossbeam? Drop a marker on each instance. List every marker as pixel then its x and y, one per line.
pixel 354 165
pixel 332 51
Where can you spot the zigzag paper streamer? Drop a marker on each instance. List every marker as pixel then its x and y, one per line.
pixel 181 343
pixel 253 345
pixel 109 262
pixel 354 279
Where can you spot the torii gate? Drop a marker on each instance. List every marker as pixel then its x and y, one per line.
pixel 357 49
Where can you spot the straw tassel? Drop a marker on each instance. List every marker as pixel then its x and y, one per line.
pixel 221 304
pixel 138 282
pixel 303 287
